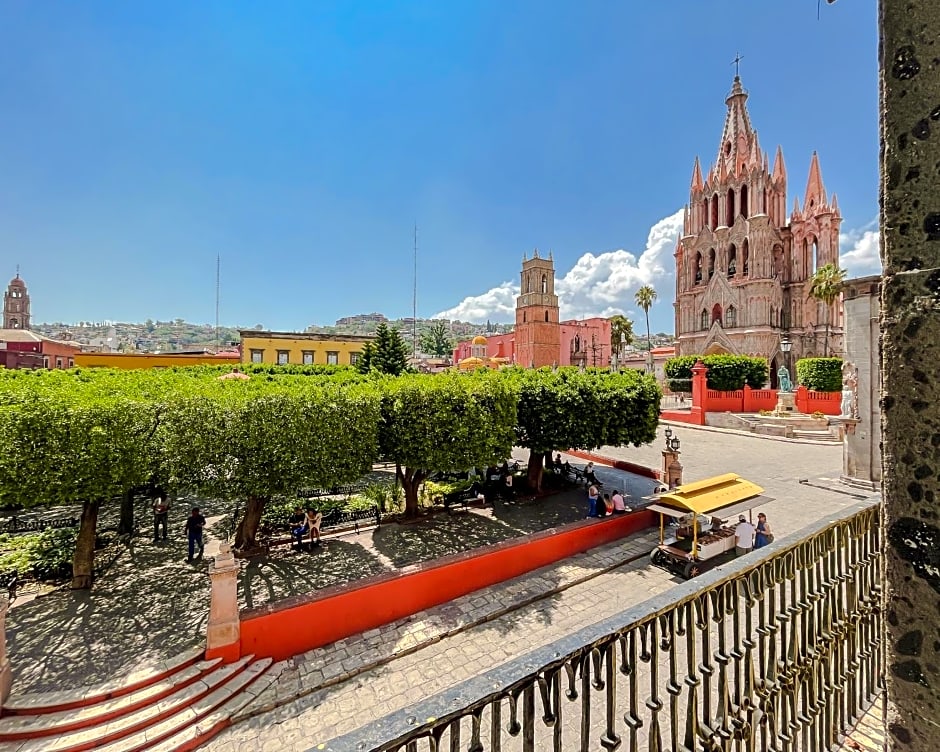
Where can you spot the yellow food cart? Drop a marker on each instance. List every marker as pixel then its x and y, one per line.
pixel 706 514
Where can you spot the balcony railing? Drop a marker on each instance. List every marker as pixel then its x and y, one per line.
pixel 780 650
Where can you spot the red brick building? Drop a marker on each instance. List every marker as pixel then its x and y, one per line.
pixel 54 354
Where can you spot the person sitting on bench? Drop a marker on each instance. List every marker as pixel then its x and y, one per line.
pixel 298 526
pixel 313 521
pixel 589 475
pixel 559 466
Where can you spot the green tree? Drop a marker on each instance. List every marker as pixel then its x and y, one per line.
pixel 570 409
pixel 435 340
pixel 66 447
pixel 389 353
pixel 644 298
pixel 621 334
pixel 448 422
pixel 826 286
pixel 257 439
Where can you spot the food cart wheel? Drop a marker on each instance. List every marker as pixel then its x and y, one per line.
pixel 691 570
pixel 656 556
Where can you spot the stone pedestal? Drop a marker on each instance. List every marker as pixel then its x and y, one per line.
pixel 6 675
pixel 786 403
pixel 223 633
pixel 672 469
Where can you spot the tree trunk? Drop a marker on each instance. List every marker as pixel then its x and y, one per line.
pixel 534 477
pixel 410 482
pixel 126 525
pixel 83 561
pixel 247 529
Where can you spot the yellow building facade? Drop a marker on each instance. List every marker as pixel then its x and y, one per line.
pixel 301 348
pixel 154 360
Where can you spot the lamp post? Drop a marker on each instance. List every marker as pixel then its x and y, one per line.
pixel 785 398
pixel 672 468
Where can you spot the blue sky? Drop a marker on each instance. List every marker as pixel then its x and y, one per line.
pixel 302 141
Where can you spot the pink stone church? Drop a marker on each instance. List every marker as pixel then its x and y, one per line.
pixel 743 268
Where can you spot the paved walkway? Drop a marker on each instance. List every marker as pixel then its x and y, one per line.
pixel 333 690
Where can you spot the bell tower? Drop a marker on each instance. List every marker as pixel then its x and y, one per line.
pixel 538 332
pixel 16 304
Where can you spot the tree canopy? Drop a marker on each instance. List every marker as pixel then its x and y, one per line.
pixel 826 286
pixel 387 353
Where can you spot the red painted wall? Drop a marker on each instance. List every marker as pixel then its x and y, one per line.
pixel 298 624
pixel 827 403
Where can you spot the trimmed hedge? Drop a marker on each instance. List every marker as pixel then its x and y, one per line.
pixel 726 373
pixel 820 374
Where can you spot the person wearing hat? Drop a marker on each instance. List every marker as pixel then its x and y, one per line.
pixel 743 536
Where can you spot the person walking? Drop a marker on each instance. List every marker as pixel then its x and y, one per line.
pixel 194 526
pixel 762 533
pixel 743 536
pixel 592 500
pixel 161 511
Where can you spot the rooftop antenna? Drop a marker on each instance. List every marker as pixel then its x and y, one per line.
pixel 414 302
pixel 218 270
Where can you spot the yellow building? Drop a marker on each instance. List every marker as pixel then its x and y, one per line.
pixel 301 348
pixel 154 360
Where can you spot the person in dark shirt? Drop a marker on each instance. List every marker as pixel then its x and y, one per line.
pixel 298 526
pixel 193 528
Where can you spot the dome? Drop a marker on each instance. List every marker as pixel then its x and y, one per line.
pixel 468 363
pixel 479 340
pixel 17 282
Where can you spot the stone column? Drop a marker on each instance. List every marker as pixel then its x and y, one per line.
pixel 910 363
pixel 672 469
pixel 223 634
pixel 6 675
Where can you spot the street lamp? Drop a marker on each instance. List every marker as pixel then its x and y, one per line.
pixel 674 444
pixel 785 346
pixel 668 433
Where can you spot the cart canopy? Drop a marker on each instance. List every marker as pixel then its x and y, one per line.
pixel 721 496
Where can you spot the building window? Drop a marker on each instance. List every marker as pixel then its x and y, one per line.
pixel 257 356
pixel 71 362
pixel 703 323
pixel 45 361
pixel 283 357
pixel 354 358
pixel 731 317
pixel 716 313
pixel 332 358
pixel 58 362
pixel 308 357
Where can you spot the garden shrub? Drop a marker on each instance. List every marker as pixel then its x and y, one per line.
pixel 45 556
pixel 726 373
pixel 820 374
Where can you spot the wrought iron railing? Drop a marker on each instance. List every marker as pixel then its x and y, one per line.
pixel 780 650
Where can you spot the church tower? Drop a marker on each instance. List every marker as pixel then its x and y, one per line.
pixel 743 270
pixel 16 305
pixel 538 332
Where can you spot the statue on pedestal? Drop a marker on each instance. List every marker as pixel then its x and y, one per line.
pixel 783 379
pixel 849 407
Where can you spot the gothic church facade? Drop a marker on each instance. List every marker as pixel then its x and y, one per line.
pixel 743 268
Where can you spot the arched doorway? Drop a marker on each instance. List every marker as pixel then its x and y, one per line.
pixel 774 365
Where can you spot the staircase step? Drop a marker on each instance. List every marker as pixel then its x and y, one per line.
pixel 45 724
pixel 179 705
pixel 199 733
pixel 198 722
pixel 66 699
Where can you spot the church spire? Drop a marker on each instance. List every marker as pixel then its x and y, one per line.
pixel 697 176
pixel 815 190
pixel 780 169
pixel 736 150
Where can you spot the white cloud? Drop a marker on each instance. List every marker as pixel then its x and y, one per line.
pixel 860 250
pixel 597 285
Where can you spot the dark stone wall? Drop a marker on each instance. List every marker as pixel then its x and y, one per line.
pixel 910 327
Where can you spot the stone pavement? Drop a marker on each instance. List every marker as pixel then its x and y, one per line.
pixel 333 690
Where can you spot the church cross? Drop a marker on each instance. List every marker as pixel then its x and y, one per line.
pixel 737 64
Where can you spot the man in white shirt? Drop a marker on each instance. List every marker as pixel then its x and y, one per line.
pixel 743 536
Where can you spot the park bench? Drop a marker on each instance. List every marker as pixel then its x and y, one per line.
pixel 277 533
pixel 459 499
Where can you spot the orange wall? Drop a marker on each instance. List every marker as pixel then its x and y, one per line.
pixel 302 623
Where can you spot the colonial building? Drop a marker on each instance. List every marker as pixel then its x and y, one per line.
pixel 16 305
pixel 301 348
pixel 743 268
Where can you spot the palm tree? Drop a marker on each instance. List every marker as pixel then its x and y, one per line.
pixel 644 298
pixel 826 286
pixel 621 334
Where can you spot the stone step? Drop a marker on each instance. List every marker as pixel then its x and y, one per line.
pixel 53 702
pixel 180 706
pixel 24 726
pixel 205 717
